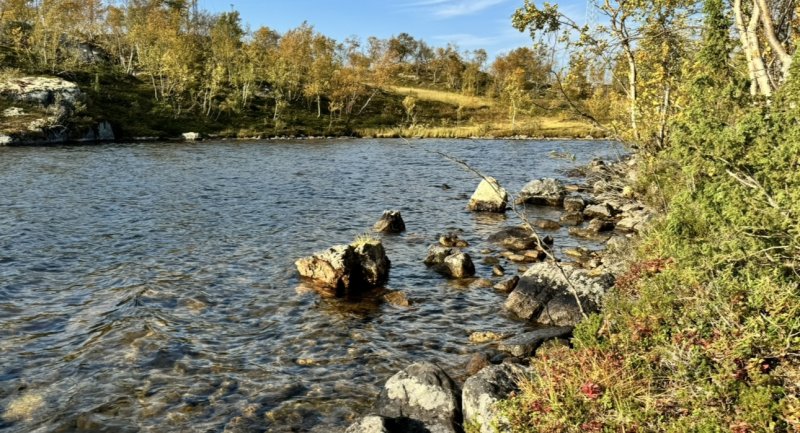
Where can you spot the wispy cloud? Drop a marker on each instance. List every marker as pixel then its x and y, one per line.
pixel 493 42
pixel 444 9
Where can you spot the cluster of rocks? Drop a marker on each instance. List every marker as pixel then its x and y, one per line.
pixel 551 295
pixel 422 398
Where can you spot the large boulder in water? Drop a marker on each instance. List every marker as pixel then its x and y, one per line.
pixel 489 197
pixel 459 266
pixel 347 269
pixel 391 222
pixel 549 192
pixel 424 398
pixel 482 393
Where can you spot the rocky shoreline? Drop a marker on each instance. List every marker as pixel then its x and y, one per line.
pixel 550 295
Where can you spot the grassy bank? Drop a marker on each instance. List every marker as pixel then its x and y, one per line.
pixel 703 332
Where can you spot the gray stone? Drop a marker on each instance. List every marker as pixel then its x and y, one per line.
pixel 191 136
pixel 548 192
pixel 498 271
pixel 489 197
pixel 477 363
pixel 528 299
pixel 13 112
pixel 514 238
pixel 452 240
pixel 482 393
pixel 563 310
pixel 527 343
pixel 423 394
pixel 391 222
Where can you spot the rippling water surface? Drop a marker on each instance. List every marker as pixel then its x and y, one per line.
pixel 151 287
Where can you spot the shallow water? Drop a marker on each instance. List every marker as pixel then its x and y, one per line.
pixel 151 287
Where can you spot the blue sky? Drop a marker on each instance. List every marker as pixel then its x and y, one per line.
pixel 470 24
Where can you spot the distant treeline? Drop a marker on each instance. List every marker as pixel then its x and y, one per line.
pixel 211 65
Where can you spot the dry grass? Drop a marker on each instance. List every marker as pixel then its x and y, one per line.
pixel 450 98
pixel 538 127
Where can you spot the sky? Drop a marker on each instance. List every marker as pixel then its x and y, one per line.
pixel 470 24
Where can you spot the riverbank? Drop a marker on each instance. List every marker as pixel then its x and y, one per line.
pixel 39 110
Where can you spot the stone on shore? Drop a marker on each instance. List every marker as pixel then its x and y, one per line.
pixel 43 91
pixel 347 269
pixel 483 391
pixel 527 343
pixel 547 295
pixel 191 136
pixel 593 229
pixel 423 398
pixel 603 210
pixel 391 222
pixel 574 203
pixel 489 197
pixel 548 192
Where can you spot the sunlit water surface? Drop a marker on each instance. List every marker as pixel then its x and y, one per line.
pixel 151 287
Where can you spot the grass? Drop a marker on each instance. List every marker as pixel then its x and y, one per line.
pixel 445 97
pixel 544 127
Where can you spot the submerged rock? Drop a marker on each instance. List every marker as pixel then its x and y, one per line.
pixel 423 397
pixel 391 222
pixel 191 136
pixel 484 390
pixel 489 197
pixel 548 192
pixel 452 240
pixel 546 224
pixel 347 269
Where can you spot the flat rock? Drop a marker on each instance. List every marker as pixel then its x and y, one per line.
pixel 574 203
pixel 546 224
pixel 527 343
pixel 370 424
pixel 571 219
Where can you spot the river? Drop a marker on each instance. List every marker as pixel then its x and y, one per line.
pixel 151 287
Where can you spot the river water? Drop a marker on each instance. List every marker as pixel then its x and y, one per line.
pixel 151 287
